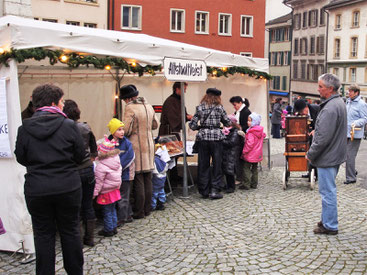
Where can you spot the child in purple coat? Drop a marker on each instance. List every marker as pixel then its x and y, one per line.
pixel 252 152
pixel 108 181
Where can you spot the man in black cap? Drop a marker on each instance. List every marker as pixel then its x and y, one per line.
pixel 171 122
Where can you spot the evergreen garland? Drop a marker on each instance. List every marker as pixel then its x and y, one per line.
pixel 74 60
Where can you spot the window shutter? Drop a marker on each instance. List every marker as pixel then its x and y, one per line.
pixel 289 58
pixel 271 36
pixel 284 83
pixel 281 58
pixel 275 58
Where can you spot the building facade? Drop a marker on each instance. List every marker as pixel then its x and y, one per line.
pixel 236 26
pixel 21 8
pixel 347 40
pixel 309 46
pixel 280 37
pixel 86 13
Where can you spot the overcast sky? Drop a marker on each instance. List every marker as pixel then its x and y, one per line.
pixel 275 8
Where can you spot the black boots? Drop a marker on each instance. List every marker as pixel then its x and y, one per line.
pixel 160 205
pixel 89 232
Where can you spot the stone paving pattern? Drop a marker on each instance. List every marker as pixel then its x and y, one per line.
pixel 262 231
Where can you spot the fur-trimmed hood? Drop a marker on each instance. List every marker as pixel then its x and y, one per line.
pixel 102 156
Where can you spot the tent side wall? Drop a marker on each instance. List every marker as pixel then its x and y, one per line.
pixel 13 211
pixel 95 94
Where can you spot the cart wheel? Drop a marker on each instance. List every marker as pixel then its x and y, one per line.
pixel 284 180
pixel 312 177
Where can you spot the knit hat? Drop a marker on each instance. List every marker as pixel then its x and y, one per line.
pixel 106 145
pixel 256 119
pixel 128 91
pixel 232 118
pixel 114 124
pixel 213 91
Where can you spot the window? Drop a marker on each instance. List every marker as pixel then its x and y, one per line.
pixel 336 71
pixel 338 21
pixel 73 23
pixel 337 48
pixel 49 20
pixel 303 46
pixel 295 51
pixel 312 18
pixel 90 25
pixel 352 74
pixel 313 73
pixel 276 83
pixel 320 44
pixel 131 17
pixel 280 58
pixel 225 24
pixel 355 22
pixel 177 20
pixel 274 58
pixel 287 34
pixel 321 70
pixel 297 21
pixel 312 45
pixel 303 69
pixel 304 20
pixel 322 17
pixel 284 83
pixel 248 54
pixel 202 22
pixel 287 58
pixel 295 69
pixel 246 26
pixel 354 47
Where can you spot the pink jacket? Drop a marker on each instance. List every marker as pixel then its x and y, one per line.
pixel 108 174
pixel 253 149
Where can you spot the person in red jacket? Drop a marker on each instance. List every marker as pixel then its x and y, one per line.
pixel 252 152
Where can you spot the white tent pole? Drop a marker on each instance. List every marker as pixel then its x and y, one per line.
pixel 185 192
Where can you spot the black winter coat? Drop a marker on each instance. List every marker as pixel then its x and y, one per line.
pixel 51 147
pixel 231 151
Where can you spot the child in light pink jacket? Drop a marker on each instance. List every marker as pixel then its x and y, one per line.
pixel 252 152
pixel 108 181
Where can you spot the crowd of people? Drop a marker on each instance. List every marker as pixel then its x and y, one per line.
pixel 67 171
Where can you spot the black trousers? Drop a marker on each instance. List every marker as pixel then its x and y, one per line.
pixel 142 194
pixel 210 180
pixel 62 212
pixel 88 184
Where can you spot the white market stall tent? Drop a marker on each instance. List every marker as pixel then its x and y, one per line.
pixel 91 86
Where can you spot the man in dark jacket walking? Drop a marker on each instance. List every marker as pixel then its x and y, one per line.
pixel 50 146
pixel 328 150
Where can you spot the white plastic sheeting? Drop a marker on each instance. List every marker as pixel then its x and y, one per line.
pixel 21 33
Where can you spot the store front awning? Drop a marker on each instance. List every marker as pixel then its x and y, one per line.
pixel 278 93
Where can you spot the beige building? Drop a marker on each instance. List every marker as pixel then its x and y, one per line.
pixel 280 33
pixel 347 40
pixel 86 13
pixel 16 7
pixel 308 46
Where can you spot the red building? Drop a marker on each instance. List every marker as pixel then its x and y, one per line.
pixel 237 26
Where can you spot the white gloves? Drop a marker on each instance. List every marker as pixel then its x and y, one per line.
pixel 241 133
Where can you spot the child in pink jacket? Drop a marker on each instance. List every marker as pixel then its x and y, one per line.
pixel 108 181
pixel 252 151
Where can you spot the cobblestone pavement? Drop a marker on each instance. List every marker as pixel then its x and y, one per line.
pixel 262 231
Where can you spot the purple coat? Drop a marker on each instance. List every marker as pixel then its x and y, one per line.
pixel 108 174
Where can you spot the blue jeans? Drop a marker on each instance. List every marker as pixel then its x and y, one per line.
pixel 327 189
pixel 109 217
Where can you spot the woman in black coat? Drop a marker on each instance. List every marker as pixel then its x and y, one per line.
pixel 51 147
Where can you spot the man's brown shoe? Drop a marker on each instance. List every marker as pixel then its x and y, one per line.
pixel 322 230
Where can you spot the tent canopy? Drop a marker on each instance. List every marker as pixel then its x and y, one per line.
pixel 22 33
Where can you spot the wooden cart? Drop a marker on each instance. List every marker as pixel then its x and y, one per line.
pixel 296 147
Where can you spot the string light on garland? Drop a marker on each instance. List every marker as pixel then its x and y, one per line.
pixel 74 60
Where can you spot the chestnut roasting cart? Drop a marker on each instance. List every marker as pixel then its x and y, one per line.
pixel 296 146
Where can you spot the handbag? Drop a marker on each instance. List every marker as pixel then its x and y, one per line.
pixel 195 147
